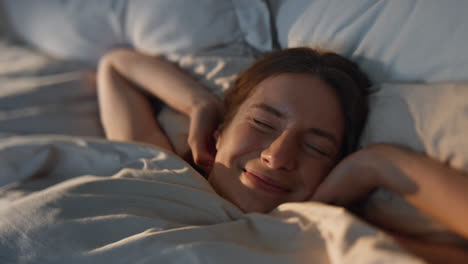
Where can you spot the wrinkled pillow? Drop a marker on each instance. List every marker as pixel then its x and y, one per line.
pixel 394 41
pixel 51 26
pixel 428 118
pixel 186 26
pixel 85 30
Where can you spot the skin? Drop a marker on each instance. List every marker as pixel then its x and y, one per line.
pixel 271 152
pixel 125 77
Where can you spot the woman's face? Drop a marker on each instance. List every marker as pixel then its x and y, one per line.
pixel 283 141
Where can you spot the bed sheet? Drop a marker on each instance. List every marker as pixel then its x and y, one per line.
pixel 43 95
pixel 74 200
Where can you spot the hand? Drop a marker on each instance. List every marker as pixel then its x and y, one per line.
pixel 357 175
pixel 204 120
pixel 427 184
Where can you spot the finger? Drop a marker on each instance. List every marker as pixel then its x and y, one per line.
pixel 199 158
pixel 201 141
pixel 203 155
pixel 203 159
pixel 203 147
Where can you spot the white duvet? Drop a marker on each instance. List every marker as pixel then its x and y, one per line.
pixel 73 200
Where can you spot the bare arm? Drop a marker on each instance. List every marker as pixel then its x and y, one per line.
pixel 161 79
pixel 440 191
pixel 431 186
pixel 433 253
pixel 124 75
pixel 126 114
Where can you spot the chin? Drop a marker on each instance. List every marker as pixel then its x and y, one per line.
pixel 255 208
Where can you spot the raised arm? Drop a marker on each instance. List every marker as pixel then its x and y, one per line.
pixel 124 76
pixel 431 186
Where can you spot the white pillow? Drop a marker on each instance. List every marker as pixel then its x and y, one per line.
pixel 52 26
pixel 428 118
pixel 85 30
pixel 394 41
pixel 187 26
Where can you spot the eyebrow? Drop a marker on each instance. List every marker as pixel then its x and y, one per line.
pixel 323 133
pixel 269 109
pixel 316 131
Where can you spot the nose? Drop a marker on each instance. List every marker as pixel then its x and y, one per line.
pixel 281 153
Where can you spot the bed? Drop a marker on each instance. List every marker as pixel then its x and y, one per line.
pixel 69 196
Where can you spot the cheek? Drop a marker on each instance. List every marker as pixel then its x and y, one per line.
pixel 238 141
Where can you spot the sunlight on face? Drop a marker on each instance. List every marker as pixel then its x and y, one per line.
pixel 282 142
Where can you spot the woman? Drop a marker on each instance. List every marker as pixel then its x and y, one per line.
pixel 288 122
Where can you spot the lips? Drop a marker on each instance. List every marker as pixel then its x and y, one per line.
pixel 266 183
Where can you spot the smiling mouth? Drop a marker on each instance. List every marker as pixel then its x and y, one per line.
pixel 265 184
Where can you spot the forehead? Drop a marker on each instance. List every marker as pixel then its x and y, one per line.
pixel 293 94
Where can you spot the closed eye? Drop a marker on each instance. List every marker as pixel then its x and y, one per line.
pixel 317 150
pixel 262 124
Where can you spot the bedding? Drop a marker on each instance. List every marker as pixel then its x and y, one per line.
pixel 77 200
pixel 406 108
pixel 393 41
pixel 85 30
pixel 40 94
pixel 48 181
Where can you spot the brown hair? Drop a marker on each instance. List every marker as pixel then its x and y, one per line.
pixel 349 82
